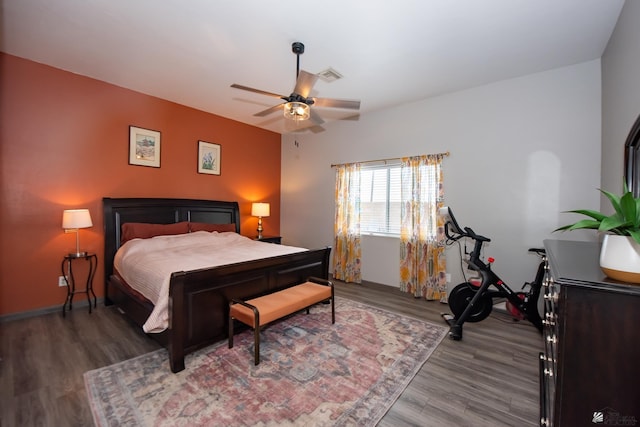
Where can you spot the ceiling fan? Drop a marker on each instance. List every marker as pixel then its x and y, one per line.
pixel 297 105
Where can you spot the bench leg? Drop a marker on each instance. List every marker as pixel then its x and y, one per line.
pixel 256 343
pixel 230 332
pixel 333 309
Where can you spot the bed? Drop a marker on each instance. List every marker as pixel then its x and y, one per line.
pixel 198 299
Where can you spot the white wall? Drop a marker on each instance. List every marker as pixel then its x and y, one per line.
pixel 620 95
pixel 522 151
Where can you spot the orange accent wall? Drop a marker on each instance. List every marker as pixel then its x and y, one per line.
pixel 65 144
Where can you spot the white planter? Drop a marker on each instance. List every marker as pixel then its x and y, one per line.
pixel 620 258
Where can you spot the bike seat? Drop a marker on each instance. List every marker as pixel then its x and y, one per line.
pixel 539 251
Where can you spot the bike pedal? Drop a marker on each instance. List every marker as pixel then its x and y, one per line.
pixel 449 318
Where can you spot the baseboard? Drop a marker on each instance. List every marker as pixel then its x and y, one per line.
pixel 366 282
pixel 43 311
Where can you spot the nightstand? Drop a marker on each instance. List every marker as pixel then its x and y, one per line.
pixel 67 273
pixel 269 239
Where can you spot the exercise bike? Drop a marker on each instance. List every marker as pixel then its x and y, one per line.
pixel 473 303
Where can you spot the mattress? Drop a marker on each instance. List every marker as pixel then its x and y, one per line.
pixel 146 264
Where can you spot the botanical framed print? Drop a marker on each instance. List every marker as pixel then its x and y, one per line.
pixel 144 147
pixel 208 158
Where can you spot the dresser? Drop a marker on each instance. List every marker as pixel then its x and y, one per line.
pixel 590 367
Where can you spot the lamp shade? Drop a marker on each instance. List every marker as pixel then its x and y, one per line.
pixel 76 218
pixel 296 111
pixel 260 209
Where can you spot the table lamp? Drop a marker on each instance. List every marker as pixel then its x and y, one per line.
pixel 72 221
pixel 260 210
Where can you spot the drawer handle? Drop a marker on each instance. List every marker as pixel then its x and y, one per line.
pixel 545 358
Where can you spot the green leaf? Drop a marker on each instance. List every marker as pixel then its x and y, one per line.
pixel 614 199
pixel 593 214
pixel 628 208
pixel 635 234
pixel 613 222
pixel 584 223
pixel 563 228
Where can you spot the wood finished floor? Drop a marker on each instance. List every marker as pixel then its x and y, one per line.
pixel 489 378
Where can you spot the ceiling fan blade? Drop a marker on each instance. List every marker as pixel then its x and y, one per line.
pixel 336 103
pixel 269 110
pixel 298 129
pixel 250 89
pixel 305 83
pixel 316 129
pixel 352 117
pixel 315 117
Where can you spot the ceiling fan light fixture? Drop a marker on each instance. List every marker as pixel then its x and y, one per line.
pixel 296 111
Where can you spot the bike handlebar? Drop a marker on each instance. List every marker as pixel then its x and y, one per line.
pixel 475 236
pixel 468 232
pixel 454 232
pixel 474 261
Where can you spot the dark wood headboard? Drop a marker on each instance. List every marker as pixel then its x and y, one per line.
pixel 159 211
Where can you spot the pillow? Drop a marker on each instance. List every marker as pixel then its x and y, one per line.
pixel 203 226
pixel 141 230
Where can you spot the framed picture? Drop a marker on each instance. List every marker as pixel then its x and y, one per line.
pixel 208 158
pixel 144 147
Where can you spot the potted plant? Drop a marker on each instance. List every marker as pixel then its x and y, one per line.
pixel 620 253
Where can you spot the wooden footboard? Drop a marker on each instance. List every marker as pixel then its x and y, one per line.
pixel 199 300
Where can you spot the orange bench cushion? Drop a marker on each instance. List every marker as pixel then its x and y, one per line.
pixel 282 303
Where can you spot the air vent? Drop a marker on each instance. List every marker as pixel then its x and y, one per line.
pixel 329 75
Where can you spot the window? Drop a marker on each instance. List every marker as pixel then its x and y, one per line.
pixel 380 200
pixel 381 197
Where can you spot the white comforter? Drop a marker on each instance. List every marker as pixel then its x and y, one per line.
pixel 147 264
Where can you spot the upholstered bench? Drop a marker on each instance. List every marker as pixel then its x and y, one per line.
pixel 260 311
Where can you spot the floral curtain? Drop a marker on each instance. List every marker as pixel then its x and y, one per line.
pixel 346 248
pixel 422 256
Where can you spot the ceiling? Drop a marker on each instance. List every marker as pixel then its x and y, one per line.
pixel 389 53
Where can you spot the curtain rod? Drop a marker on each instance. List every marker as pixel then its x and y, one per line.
pixel 445 154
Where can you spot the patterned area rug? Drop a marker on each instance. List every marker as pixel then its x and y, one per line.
pixel 311 373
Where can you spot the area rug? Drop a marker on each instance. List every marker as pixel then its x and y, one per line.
pixel 311 373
